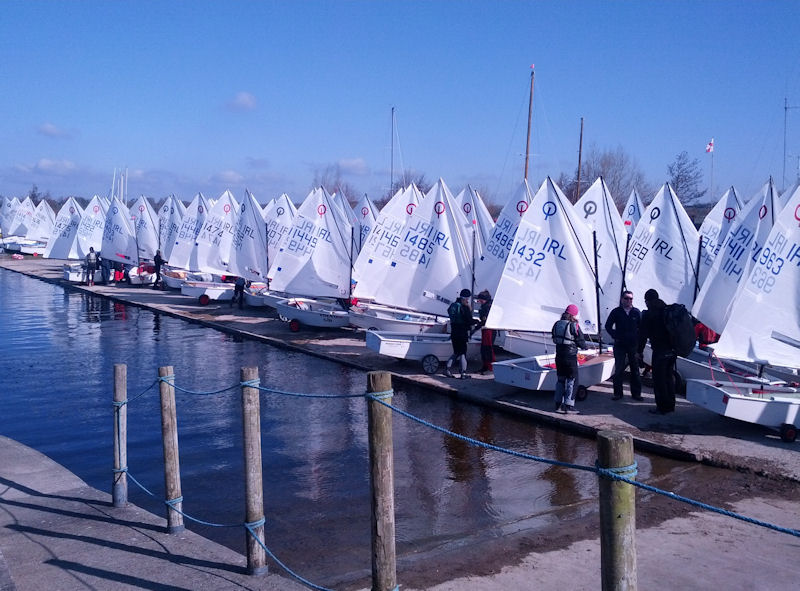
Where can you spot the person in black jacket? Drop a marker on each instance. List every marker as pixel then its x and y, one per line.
pixel 488 335
pixel 461 321
pixel 158 262
pixel 568 338
pixel 623 326
pixel 654 328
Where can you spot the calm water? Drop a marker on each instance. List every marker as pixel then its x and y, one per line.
pixel 57 352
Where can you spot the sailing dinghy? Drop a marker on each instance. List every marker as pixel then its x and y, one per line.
pixel 763 327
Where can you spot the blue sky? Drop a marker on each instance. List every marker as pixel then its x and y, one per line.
pixel 207 96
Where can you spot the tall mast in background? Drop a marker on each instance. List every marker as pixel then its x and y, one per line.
pixel 530 115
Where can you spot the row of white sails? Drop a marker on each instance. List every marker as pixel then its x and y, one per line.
pixel 420 250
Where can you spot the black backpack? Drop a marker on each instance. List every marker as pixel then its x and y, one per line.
pixel 454 312
pixel 680 328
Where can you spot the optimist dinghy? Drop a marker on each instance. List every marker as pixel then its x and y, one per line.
pixel 763 328
pixel 306 311
pixel 539 372
pixel 430 349
pixel 206 291
pixel 386 318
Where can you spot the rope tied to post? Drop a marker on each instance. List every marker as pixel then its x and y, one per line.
pixel 380 395
pixel 250 383
pixel 172 502
pixel 621 473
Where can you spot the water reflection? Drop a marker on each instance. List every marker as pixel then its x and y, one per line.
pixel 56 367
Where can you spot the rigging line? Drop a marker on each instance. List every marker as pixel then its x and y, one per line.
pixel 608 201
pixel 512 139
pixel 400 154
pixel 683 236
pixel 572 228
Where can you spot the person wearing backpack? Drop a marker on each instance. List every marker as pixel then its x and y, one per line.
pixel 91 265
pixel 654 329
pixel 461 320
pixel 623 326
pixel 568 338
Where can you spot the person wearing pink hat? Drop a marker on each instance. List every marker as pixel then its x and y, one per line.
pixel 568 338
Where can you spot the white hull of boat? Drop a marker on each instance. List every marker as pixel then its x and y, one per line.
pixel 142 275
pixel 252 295
pixel 770 406
pixel 539 373
pixel 308 312
pixel 429 348
pixel 386 318
pixel 76 273
pixel 528 344
pixel 206 291
pixel 36 249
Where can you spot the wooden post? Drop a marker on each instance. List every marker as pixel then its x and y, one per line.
pixel 172 463
pixel 617 513
pixel 119 486
pixel 253 478
pixel 381 468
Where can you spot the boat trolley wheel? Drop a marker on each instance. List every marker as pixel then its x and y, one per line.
pixel 788 433
pixel 294 325
pixel 582 393
pixel 204 299
pixel 430 364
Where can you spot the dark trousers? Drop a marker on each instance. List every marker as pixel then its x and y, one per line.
pixel 487 348
pixel 664 380
pixel 624 356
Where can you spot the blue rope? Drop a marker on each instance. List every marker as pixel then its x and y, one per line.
pixel 172 502
pixel 380 395
pixel 613 473
pixel 250 527
pixel 303 395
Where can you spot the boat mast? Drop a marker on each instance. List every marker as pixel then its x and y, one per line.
pixel 580 153
pixel 530 115
pixel 391 166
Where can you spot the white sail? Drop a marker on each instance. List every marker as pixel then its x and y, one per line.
pixel 431 262
pixel 279 216
pixel 597 210
pixel 248 255
pixel 377 252
pixel 340 200
pixel 9 212
pixel 489 266
pixel 764 321
pixel 315 259
pixel 474 209
pixel 63 243
pixel 184 251
pixel 663 251
pixel 549 267
pixel 145 227
pixel 90 230
pixel 119 240
pixel 713 230
pixel 742 244
pixel 42 224
pixel 170 218
pixel 216 236
pixel 23 217
pixel 632 212
pixel 367 214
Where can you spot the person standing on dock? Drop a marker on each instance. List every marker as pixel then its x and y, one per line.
pixel 461 321
pixel 238 292
pixel 488 335
pixel 568 338
pixel 623 326
pixel 91 265
pixel 654 329
pixel 158 262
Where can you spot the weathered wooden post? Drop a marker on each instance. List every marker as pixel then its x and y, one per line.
pixel 253 478
pixel 381 466
pixel 617 512
pixel 119 486
pixel 172 463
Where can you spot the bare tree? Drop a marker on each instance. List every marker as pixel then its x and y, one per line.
pixel 404 180
pixel 686 178
pixel 620 171
pixel 331 179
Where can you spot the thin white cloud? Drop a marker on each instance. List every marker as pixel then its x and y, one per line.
pixel 258 163
pixel 228 177
pixel 243 101
pixel 50 130
pixel 354 166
